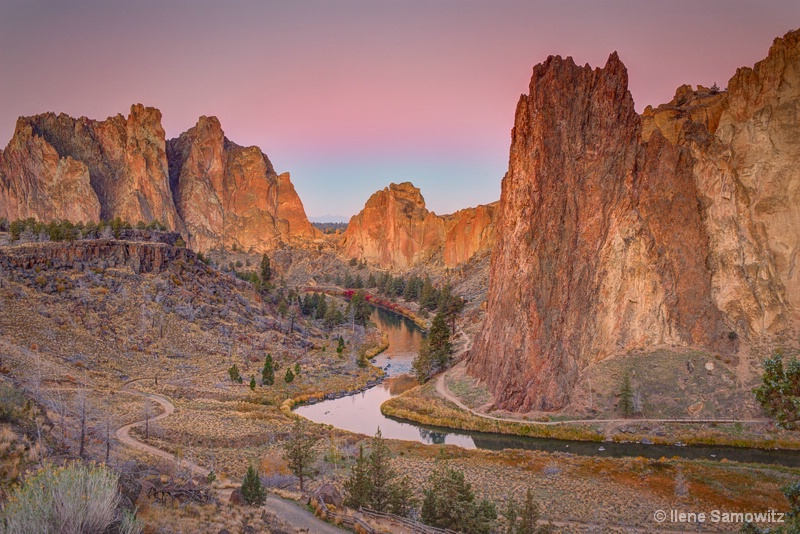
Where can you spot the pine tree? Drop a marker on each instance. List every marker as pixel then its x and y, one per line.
pixel 252 382
pixel 252 490
pixel 233 372
pixel 435 350
pixel 529 515
pixel 289 376
pixel 381 474
pixel 371 282
pixel 626 395
pixel 268 373
pixel 322 308
pixel 450 503
pixel 266 270
pixel 358 488
pixel 297 369
pixel 299 453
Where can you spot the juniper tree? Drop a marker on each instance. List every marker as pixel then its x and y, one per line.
pixel 252 490
pixel 268 373
pixel 299 453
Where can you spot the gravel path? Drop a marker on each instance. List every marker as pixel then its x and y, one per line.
pixel 441 389
pixel 299 517
pixel 286 510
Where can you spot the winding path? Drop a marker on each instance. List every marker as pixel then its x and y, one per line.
pixel 441 389
pixel 285 509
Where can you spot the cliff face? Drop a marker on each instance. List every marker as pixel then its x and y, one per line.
pixel 600 243
pixel 200 184
pixel 618 232
pixel 396 230
pixel 229 194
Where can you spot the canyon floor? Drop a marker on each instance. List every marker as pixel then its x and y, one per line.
pixel 134 345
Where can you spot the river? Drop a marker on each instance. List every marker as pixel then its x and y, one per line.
pixel 361 413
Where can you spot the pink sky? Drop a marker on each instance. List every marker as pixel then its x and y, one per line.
pixel 349 96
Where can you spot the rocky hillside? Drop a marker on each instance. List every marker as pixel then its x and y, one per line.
pixel 200 184
pixel 396 230
pixel 617 232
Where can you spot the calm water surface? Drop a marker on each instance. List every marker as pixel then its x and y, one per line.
pixel 362 413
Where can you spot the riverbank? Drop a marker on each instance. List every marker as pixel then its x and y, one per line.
pixel 375 300
pixel 425 405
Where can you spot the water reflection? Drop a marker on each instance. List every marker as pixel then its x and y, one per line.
pixel 361 413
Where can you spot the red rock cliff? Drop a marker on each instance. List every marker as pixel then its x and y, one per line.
pixel 618 232
pixel 600 243
pixel 396 230
pixel 211 190
pixel 229 194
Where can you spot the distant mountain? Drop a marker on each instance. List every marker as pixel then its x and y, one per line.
pixel 329 219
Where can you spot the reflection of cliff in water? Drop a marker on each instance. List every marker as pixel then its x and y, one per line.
pixel 400 384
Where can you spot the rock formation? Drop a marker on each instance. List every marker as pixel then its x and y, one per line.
pixel 211 190
pixel 230 195
pixel 617 232
pixel 396 230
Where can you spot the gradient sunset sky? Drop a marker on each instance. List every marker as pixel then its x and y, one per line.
pixel 349 96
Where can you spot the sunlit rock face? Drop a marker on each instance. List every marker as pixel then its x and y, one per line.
pixel 396 230
pixel 213 191
pixel 618 232
pixel 231 195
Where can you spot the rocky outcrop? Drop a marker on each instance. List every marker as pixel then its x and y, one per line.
pixel 125 158
pixel 619 232
pixel 600 243
pixel 467 232
pixel 230 195
pixel 35 181
pixel 396 230
pixel 142 257
pixel 211 190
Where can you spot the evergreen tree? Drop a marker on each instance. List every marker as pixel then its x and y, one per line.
pixel 529 520
pixel 388 286
pixel 297 369
pixel 252 382
pixel 359 282
pixel 371 282
pixel 252 490
pixel 358 488
pixel 450 503
pixel 398 286
pixel 435 350
pixel 511 514
pixel 322 308
pixel 299 453
pixel 266 270
pixel 360 307
pixel 233 372
pixel 381 474
pixel 428 297
pixel 373 483
pixel 289 376
pixel 626 395
pixel 333 316
pixel 268 373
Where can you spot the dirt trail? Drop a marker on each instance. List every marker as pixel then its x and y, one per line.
pixel 441 389
pixel 286 510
